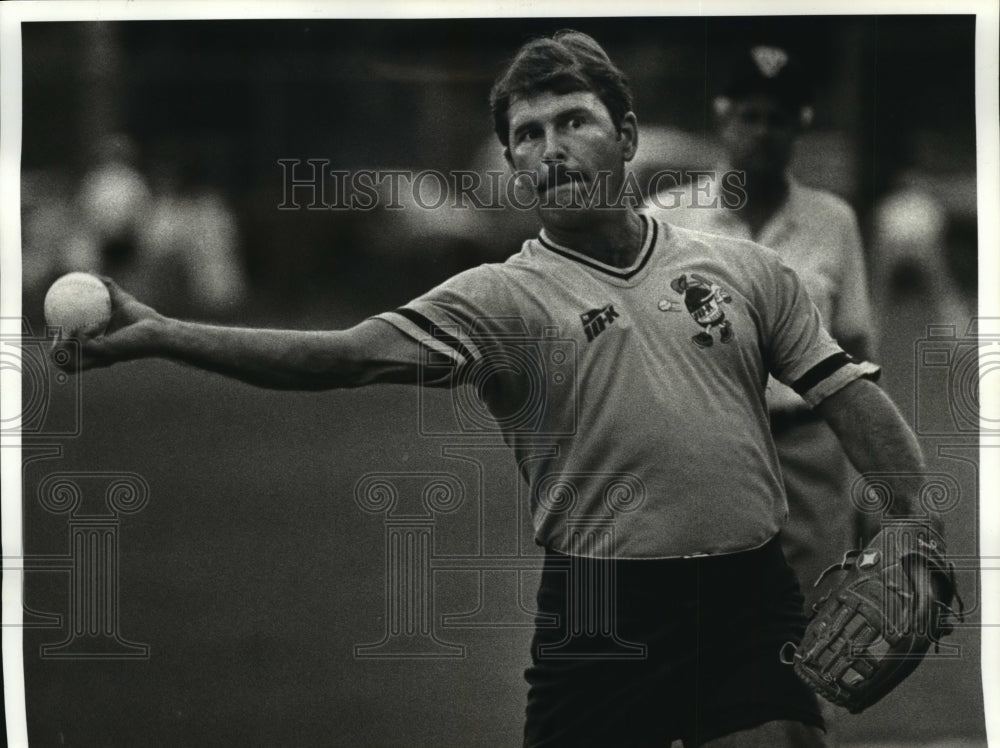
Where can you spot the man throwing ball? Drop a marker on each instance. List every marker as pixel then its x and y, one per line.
pixel 675 333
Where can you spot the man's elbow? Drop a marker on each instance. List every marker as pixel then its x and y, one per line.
pixel 352 358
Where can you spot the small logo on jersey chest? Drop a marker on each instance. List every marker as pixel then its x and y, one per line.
pixel 704 301
pixel 596 321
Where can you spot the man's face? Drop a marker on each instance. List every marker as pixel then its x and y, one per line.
pixel 758 134
pixel 571 143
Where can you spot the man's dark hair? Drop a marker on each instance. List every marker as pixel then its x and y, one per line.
pixel 567 62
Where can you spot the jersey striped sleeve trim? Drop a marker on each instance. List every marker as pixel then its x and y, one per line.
pixel 650 230
pixel 831 374
pixel 450 342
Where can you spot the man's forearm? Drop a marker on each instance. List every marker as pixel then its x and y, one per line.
pixel 877 440
pixel 370 352
pixel 276 359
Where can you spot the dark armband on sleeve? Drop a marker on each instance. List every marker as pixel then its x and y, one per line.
pixel 831 374
pixel 445 349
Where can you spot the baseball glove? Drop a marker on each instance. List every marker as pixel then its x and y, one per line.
pixel 880 610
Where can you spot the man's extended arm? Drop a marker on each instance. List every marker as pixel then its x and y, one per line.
pixel 877 439
pixel 368 353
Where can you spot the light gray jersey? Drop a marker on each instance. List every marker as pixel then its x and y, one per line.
pixel 648 382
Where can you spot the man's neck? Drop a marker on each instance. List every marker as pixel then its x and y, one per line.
pixel 615 240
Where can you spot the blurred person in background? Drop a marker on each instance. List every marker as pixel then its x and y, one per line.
pixel 763 109
pixel 175 241
pixel 916 288
pixel 93 224
pixel 113 199
pixel 189 243
pixel 910 244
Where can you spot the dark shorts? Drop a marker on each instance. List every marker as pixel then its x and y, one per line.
pixel 681 649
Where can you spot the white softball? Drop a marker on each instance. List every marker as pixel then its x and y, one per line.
pixel 79 303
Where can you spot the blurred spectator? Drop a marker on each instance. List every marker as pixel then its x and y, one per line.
pixel 92 227
pixel 113 200
pixel 762 111
pixel 915 289
pixel 910 242
pixel 175 244
pixel 189 246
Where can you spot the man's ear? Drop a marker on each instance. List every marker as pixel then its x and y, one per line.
pixel 628 133
pixel 507 158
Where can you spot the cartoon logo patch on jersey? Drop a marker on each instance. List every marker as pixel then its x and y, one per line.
pixel 596 321
pixel 704 300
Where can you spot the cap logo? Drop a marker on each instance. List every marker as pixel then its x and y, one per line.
pixel 769 60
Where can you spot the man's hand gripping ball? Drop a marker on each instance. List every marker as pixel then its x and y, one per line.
pixel 109 324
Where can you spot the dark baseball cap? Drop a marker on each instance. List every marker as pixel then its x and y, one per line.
pixel 766 69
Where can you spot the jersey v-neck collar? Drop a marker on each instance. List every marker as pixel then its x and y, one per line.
pixel 650 231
